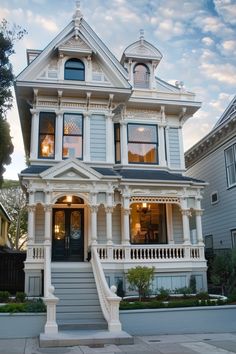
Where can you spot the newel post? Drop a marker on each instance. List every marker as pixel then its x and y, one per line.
pixel 114 322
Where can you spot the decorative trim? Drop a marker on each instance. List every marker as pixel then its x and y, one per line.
pixel 172 200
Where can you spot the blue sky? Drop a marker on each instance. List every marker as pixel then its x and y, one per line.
pixel 196 37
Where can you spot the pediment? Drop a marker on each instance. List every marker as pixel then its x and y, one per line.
pixel 71 169
pixel 74 45
pixel 142 50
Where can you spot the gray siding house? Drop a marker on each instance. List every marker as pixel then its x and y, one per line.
pixel 213 159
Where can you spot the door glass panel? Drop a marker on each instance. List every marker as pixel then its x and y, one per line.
pixel 75 225
pixel 59 225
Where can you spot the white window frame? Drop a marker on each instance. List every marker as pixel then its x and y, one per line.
pixel 233 238
pixel 217 200
pixel 230 165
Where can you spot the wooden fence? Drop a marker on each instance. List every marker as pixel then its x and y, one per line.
pixel 12 276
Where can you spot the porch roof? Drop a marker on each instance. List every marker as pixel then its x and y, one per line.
pixel 125 174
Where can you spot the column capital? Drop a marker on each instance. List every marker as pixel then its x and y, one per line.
pixel 93 208
pixel 108 209
pixel 47 207
pixel 31 208
pixel 34 110
pixel 186 212
pixel 198 212
pixel 126 211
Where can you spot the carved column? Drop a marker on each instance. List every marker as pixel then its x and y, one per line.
pixel 124 143
pixel 162 157
pixel 166 132
pixel 169 224
pixel 186 229
pixel 34 134
pixel 31 223
pixel 47 222
pixel 59 136
pixel 126 231
pixel 93 210
pixel 109 211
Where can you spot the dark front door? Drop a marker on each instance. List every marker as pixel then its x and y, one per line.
pixel 68 236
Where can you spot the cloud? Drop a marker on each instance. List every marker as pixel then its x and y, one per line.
pixel 227 10
pixel 213 24
pixel 207 41
pixel 46 23
pixel 224 72
pixel 168 29
pixel 229 47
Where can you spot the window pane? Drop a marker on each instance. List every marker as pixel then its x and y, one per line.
pixel 229 156
pixel 231 175
pixel 142 133
pixel 72 146
pixel 148 223
pixel 142 153
pixel 74 74
pixel 73 124
pixel 74 63
pixel 59 225
pixel 47 123
pixel 46 146
pixel 141 76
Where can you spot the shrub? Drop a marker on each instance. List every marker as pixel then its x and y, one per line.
pixel 163 294
pixel 185 291
pixel 140 279
pixel 20 297
pixel 202 296
pixel 4 296
pixel 28 306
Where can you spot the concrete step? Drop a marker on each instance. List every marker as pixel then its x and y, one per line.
pixel 79 316
pixel 84 337
pixel 77 285
pixel 78 302
pixel 79 309
pixel 81 295
pixel 86 324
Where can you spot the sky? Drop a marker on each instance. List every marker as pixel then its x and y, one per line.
pixel 197 39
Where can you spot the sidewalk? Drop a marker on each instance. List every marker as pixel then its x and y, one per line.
pixel 220 343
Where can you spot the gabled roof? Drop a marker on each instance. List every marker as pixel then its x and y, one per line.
pixel 93 43
pixel 228 113
pixel 222 131
pixel 143 50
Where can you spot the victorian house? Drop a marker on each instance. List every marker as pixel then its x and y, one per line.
pixel 105 182
pixel 213 159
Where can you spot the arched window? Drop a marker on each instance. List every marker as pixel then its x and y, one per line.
pixel 74 70
pixel 141 76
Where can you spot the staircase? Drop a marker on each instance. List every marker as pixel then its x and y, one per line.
pixel 78 307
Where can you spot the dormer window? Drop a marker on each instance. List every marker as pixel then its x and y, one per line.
pixel 74 70
pixel 141 76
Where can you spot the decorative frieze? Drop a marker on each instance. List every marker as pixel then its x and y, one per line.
pixel 139 199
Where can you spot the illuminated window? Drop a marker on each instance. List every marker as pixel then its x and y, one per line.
pixel 47 135
pixel 73 136
pixel 141 76
pixel 74 70
pixel 142 144
pixel 148 223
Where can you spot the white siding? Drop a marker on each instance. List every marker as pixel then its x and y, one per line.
pixel 174 148
pixel 98 138
pixel 218 219
pixel 39 224
pixel 177 224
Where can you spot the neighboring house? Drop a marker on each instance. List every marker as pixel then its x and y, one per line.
pixel 213 159
pixel 4 225
pixel 104 143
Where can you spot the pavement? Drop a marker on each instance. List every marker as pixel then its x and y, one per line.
pixel 217 343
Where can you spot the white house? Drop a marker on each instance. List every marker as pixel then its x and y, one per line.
pixel 104 142
pixel 213 159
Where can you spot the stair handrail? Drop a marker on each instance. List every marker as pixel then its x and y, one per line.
pixel 109 301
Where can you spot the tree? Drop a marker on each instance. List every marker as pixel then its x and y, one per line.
pixel 140 279
pixel 8 36
pixel 14 200
pixel 223 270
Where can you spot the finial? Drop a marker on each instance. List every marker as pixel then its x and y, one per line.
pixel 141 34
pixel 78 14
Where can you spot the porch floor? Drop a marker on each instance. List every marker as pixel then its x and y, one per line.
pixel 84 337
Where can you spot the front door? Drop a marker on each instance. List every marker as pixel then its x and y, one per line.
pixel 68 236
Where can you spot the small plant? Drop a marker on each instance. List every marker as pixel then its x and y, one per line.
pixel 203 295
pixel 163 294
pixel 20 297
pixel 184 291
pixel 4 296
pixel 140 279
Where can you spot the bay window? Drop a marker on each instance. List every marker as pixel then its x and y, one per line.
pixel 73 136
pixel 47 135
pixel 142 143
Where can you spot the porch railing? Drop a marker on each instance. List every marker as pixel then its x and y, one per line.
pixel 109 301
pixel 35 252
pixel 151 253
